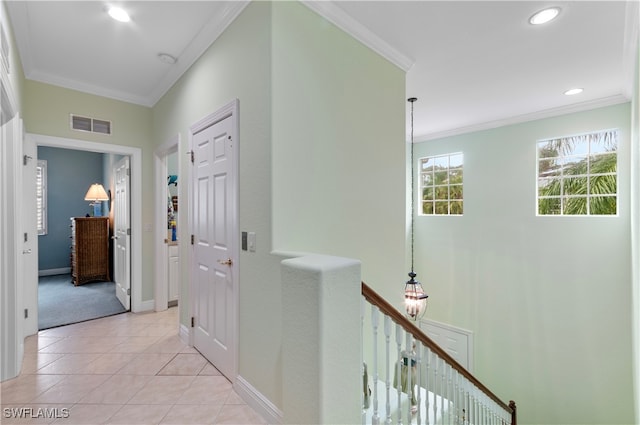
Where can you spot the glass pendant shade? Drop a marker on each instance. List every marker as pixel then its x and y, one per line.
pixel 415 299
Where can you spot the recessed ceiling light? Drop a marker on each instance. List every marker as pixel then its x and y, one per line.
pixel 167 58
pixel 571 92
pixel 119 14
pixel 544 16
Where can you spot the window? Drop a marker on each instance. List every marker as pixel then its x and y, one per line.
pixel 441 184
pixel 41 196
pixel 578 175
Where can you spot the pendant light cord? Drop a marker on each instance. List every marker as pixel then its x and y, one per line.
pixel 412 100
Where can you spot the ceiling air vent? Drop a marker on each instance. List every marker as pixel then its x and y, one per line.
pixel 92 125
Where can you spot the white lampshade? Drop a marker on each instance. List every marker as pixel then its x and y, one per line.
pixel 96 193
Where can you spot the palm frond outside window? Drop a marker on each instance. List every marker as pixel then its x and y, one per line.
pixel 578 175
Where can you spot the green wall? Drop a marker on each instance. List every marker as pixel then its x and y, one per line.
pixel 548 298
pixel 338 148
pixel 237 65
pixel 312 103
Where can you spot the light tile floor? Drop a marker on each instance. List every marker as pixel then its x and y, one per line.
pixel 124 369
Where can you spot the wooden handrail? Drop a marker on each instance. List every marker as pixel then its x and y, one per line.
pixel 372 297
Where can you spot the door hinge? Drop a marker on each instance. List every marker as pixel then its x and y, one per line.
pixel 128 171
pixel 129 232
pixel 26 237
pixel 193 238
pixel 193 322
pixel 191 154
pixel 128 291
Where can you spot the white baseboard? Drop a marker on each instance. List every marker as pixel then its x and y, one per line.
pixel 148 305
pixel 53 272
pixel 184 334
pixel 257 401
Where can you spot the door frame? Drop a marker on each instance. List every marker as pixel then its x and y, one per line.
pixel 161 248
pixel 12 324
pixel 231 109
pixel 135 154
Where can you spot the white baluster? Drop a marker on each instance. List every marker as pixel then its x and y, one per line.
pixel 419 383
pixel 398 377
pixel 450 392
pixel 363 303
pixel 464 404
pixel 407 361
pixel 436 381
pixel 375 314
pixel 443 386
pixel 387 338
pixel 485 419
pixel 456 397
pixel 427 373
pixel 473 418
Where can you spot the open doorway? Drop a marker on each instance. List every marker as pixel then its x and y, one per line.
pixel 113 152
pixel 76 279
pixel 168 212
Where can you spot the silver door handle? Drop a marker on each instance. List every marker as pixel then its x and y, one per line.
pixel 227 262
pixel 26 251
pixel 114 237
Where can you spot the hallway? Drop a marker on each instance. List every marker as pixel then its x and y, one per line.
pixel 123 369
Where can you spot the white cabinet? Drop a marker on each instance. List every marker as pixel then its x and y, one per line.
pixel 174 272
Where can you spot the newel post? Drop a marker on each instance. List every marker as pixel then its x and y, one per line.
pixel 514 416
pixel 321 340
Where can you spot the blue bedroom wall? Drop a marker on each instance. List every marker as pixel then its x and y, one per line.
pixel 69 175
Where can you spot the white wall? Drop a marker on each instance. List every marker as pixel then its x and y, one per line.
pixel 548 298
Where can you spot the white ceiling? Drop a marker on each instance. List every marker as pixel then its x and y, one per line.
pixel 471 64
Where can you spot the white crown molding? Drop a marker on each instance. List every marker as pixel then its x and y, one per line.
pixel 630 45
pixel 19 16
pixel 55 80
pixel 205 38
pixel 335 15
pixel 518 119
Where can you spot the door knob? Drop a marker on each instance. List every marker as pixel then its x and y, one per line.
pixel 226 262
pixel 26 251
pixel 114 237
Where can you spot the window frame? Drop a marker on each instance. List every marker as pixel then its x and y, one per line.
pixel 41 198
pixel 588 158
pixel 448 199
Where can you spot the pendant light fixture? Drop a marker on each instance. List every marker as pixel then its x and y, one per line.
pixel 415 299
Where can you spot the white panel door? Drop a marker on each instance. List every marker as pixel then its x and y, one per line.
pixel 122 233
pixel 214 239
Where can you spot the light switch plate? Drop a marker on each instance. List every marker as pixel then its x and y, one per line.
pixel 252 241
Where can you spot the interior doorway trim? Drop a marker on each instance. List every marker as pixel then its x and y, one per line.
pixel 136 200
pixel 161 251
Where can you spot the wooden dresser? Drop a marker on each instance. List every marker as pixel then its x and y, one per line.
pixel 89 249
